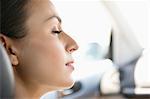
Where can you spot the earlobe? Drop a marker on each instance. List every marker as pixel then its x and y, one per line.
pixel 14 60
pixel 13 56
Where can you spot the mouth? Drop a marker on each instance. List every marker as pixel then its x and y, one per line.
pixel 70 65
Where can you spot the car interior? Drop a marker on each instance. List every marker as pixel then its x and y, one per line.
pixel 125 73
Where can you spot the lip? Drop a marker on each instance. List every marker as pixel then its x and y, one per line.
pixel 70 64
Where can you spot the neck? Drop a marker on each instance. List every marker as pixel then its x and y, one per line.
pixel 27 89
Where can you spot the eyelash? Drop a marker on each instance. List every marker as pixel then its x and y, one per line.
pixel 57 32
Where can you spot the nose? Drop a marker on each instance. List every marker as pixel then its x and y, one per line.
pixel 71 44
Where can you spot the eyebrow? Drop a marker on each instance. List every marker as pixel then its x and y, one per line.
pixel 54 16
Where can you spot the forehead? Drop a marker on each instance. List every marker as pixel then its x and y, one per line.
pixel 38 11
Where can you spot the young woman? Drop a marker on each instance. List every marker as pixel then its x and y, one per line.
pixel 39 50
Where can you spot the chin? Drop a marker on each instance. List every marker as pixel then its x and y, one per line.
pixel 68 84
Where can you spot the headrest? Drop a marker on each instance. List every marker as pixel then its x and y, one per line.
pixel 6 75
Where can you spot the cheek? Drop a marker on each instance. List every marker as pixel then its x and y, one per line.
pixel 45 61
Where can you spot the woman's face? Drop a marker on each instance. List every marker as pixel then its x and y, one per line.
pixel 45 54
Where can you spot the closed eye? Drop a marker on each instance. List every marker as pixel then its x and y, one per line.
pixel 57 32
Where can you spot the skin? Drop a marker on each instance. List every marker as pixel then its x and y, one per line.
pixel 39 58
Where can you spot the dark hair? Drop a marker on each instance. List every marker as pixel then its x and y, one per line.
pixel 13 17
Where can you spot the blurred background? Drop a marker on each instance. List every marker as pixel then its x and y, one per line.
pixel 113 59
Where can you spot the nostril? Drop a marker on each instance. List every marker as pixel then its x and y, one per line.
pixel 73 49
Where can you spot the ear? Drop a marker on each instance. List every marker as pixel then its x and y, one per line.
pixel 10 49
